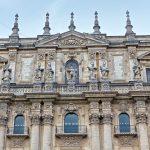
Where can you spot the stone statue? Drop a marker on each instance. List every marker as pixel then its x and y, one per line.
pixel 92 70
pixel 38 73
pixel 71 73
pixel 6 74
pixel 137 70
pixel 104 70
pixel 49 72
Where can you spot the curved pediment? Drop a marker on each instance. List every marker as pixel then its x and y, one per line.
pixel 71 39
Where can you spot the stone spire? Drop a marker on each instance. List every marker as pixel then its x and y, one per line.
pixel 72 26
pixel 96 24
pixel 15 29
pixel 47 28
pixel 129 25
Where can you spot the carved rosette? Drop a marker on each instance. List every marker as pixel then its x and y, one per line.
pixel 48 119
pixel 35 119
pixel 17 142
pixel 141 118
pixel 107 118
pixel 12 56
pixel 3 120
pixel 126 141
pixel 94 118
pixel 41 56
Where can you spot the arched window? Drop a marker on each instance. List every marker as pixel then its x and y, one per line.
pixel 72 71
pixel 124 122
pixel 19 124
pixel 71 123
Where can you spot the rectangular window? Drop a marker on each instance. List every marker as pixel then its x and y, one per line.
pixel 148 74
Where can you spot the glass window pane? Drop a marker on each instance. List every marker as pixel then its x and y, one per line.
pixel 148 74
pixel 71 123
pixel 19 125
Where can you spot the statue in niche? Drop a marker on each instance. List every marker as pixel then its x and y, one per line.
pixel 6 74
pixel 104 70
pixel 137 70
pixel 71 73
pixel 49 72
pixel 92 70
pixel 38 73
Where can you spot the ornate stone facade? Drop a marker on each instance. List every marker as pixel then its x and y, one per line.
pixel 75 91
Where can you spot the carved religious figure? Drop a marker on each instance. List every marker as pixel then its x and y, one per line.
pixel 71 73
pixel 6 74
pixel 104 70
pixel 38 73
pixel 137 70
pixel 92 70
pixel 49 72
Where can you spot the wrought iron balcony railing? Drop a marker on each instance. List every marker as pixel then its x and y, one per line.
pixel 71 130
pixel 125 130
pixel 18 131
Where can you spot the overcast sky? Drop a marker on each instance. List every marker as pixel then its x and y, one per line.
pixel 112 16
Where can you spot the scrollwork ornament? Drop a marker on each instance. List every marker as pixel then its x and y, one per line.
pixel 35 119
pixel 71 108
pixel 3 120
pixel 94 118
pixel 48 119
pixel 107 118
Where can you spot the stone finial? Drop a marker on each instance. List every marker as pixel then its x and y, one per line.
pixel 15 29
pixel 96 24
pixel 72 26
pixel 129 25
pixel 46 27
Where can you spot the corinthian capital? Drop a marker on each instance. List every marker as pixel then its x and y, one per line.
pixel 107 118
pixel 35 119
pixel 3 120
pixel 94 118
pixel 141 117
pixel 48 119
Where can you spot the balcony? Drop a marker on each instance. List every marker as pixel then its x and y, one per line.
pixel 77 130
pixel 125 130
pixel 19 131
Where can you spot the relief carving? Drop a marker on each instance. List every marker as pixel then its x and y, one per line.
pixel 94 118
pixel 125 141
pixel 71 108
pixel 19 108
pixel 72 42
pixel 17 142
pixel 141 118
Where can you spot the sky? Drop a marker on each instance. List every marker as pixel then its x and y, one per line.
pixel 111 13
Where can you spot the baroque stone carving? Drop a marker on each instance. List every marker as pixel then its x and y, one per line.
pixel 132 52
pixel 47 119
pixel 94 118
pixel 105 85
pixel 71 74
pixel 141 118
pixel 72 42
pixel 71 140
pixel 138 85
pixel 6 74
pixel 137 68
pixel 125 141
pixel 93 86
pixel 49 77
pixel 94 105
pixel 19 108
pixel 107 118
pixel 51 55
pixel 17 142
pixel 104 70
pixel 41 56
pixel 123 106
pixel 12 56
pixel 92 69
pixel 71 107
pixel 102 55
pixel 92 55
pixel 3 120
pixel 35 119
pixel 38 73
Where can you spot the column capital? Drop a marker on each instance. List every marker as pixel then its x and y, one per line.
pixel 107 118
pixel 141 118
pixel 3 120
pixel 35 119
pixel 47 119
pixel 94 118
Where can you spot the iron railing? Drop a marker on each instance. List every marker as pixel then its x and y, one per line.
pixel 18 130
pixel 71 129
pixel 125 129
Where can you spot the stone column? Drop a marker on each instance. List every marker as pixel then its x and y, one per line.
pixel 35 132
pixel 47 132
pixel 107 124
pixel 94 122
pixel 3 123
pixel 35 123
pixel 47 122
pixel 141 118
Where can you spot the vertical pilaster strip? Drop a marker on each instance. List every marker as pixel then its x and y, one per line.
pixel 107 123
pixel 94 122
pixel 141 118
pixel 3 123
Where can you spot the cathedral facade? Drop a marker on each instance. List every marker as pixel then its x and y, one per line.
pixel 75 91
